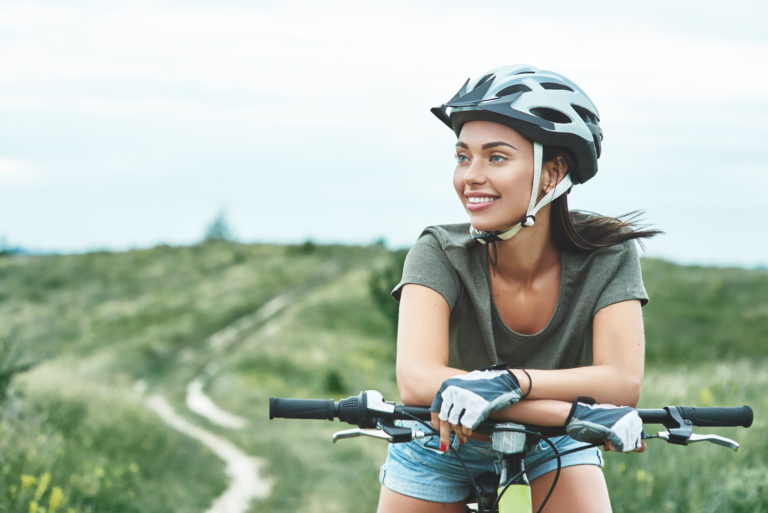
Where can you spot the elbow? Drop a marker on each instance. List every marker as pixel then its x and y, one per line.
pixel 631 389
pixel 413 387
pixel 410 397
pixel 410 392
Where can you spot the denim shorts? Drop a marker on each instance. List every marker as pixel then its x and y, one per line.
pixel 419 469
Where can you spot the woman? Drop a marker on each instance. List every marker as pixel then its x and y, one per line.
pixel 554 295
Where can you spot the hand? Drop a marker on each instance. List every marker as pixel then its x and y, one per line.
pixel 469 398
pixel 619 427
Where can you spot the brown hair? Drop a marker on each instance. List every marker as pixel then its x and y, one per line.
pixel 573 231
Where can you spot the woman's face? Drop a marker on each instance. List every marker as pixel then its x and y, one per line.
pixel 494 174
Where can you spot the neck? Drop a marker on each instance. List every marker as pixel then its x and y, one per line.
pixel 531 251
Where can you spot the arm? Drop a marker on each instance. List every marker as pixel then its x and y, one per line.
pixel 422 359
pixel 618 352
pixel 422 345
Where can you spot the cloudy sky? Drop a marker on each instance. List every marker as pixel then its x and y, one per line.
pixel 130 123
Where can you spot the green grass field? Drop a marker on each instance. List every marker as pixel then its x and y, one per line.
pixel 86 338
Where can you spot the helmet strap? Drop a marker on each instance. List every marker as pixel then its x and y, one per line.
pixel 533 207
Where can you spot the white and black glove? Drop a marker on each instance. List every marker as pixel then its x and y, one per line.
pixel 468 399
pixel 595 423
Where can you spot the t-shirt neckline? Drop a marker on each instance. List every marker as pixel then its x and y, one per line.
pixel 555 313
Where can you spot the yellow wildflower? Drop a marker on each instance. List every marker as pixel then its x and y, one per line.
pixel 99 471
pixel 42 485
pixel 57 498
pixel 32 506
pixel 643 476
pixel 705 397
pixel 27 481
pixel 133 467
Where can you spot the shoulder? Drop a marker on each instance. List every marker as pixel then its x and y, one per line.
pixel 447 236
pixel 606 257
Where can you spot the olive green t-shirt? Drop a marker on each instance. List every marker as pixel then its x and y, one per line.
pixel 446 259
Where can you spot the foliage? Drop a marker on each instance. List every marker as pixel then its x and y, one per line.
pixel 701 477
pixel 87 447
pixel 704 313
pixel 381 283
pixel 219 228
pixel 307 320
pixel 10 364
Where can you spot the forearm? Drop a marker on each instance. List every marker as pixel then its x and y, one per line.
pixel 605 383
pixel 537 412
pixel 418 386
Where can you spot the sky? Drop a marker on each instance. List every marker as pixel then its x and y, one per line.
pixel 126 124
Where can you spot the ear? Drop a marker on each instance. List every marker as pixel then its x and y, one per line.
pixel 553 171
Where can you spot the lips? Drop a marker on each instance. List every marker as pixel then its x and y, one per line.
pixel 479 201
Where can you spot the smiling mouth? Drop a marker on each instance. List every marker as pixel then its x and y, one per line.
pixel 479 200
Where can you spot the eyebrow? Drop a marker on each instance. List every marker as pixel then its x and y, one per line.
pixel 487 145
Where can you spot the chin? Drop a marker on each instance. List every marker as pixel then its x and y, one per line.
pixel 489 226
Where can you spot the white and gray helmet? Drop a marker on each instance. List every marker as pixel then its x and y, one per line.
pixel 545 107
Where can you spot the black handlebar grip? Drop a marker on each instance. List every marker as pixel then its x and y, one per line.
pixel 301 408
pixel 718 416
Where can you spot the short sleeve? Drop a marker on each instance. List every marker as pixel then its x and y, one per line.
pixel 627 280
pixel 427 264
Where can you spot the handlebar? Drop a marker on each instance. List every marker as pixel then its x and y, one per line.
pixel 365 409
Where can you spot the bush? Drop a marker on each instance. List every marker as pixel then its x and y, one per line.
pixel 381 283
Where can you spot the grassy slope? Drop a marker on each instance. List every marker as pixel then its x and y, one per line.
pixel 102 321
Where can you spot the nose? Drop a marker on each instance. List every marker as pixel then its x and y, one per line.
pixel 473 173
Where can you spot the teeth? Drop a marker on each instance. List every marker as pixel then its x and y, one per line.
pixel 482 199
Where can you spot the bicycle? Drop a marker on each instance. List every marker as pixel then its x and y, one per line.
pixel 508 490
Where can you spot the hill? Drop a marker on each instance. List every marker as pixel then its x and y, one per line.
pixel 91 337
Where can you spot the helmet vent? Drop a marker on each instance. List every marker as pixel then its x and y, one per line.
pixel 586 115
pixel 555 85
pixel 555 116
pixel 513 89
pixel 487 78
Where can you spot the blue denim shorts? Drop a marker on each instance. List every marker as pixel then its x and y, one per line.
pixel 419 469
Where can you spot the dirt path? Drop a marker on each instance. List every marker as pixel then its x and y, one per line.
pixel 204 406
pixel 246 482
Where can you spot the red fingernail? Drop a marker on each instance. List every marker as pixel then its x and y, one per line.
pixel 443 448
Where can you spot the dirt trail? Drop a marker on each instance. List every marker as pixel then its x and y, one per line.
pixel 204 406
pixel 244 471
pixel 246 481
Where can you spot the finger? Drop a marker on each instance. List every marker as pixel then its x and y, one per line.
pixel 458 429
pixel 445 435
pixel 642 446
pixel 434 420
pixel 608 446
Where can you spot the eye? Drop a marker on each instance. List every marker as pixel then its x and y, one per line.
pixel 497 159
pixel 461 158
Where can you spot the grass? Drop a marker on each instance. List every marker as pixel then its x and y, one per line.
pixel 101 448
pixel 701 476
pixel 93 325
pixel 704 313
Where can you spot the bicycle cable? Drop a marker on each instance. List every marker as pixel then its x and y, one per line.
pixel 557 455
pixel 475 486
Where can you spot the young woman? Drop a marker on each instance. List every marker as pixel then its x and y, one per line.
pixel 554 295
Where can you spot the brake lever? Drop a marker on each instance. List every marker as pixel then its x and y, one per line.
pixel 356 432
pixel 392 434
pixel 693 437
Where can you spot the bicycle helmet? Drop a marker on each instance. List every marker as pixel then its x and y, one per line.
pixel 545 107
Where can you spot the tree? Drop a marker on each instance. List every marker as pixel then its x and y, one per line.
pixel 219 228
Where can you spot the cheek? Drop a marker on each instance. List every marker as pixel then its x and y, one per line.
pixel 458 181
